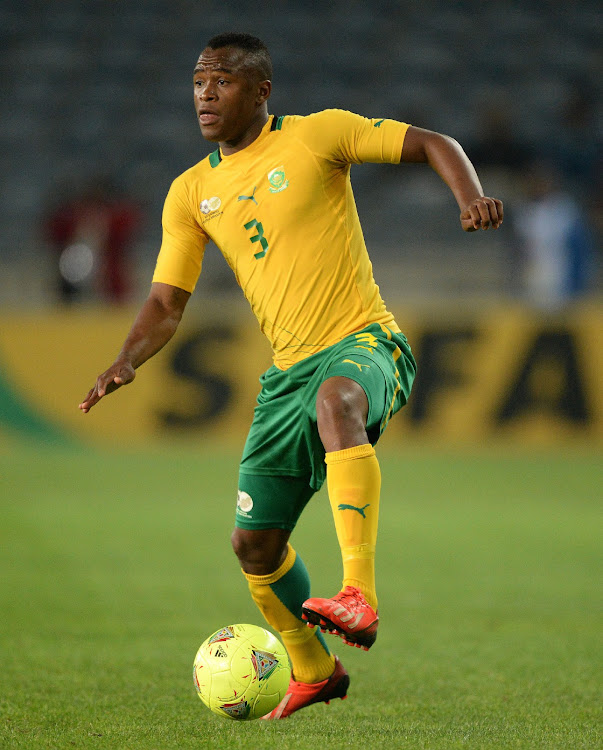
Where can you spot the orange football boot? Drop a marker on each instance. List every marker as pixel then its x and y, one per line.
pixel 302 694
pixel 348 615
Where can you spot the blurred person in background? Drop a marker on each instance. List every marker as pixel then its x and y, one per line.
pixel 91 235
pixel 276 198
pixel 555 240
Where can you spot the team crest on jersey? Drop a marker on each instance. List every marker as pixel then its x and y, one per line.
pixel 210 204
pixel 277 180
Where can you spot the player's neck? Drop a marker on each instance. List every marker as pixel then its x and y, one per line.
pixel 246 138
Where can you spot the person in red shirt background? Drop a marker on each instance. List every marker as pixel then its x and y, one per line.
pixel 92 235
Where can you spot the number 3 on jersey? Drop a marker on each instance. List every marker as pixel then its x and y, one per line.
pixel 259 237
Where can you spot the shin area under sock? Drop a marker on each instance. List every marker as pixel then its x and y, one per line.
pixel 279 597
pixel 354 486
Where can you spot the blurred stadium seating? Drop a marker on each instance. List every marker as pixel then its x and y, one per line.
pixel 104 87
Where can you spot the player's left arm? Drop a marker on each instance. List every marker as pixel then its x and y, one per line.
pixel 446 157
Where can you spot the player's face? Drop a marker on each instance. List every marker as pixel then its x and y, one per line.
pixel 228 96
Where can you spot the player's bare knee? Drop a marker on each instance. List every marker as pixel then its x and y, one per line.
pixel 341 413
pixel 334 406
pixel 259 553
pixel 240 544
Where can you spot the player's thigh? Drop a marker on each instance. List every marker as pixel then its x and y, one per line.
pixel 381 363
pixel 271 502
pixel 278 465
pixel 341 413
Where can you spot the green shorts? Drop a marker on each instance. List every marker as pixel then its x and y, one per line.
pixel 283 459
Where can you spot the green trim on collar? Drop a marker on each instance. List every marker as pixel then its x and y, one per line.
pixel 215 158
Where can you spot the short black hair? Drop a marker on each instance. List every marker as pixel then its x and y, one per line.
pixel 256 51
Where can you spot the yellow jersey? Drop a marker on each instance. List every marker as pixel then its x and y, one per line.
pixel 282 213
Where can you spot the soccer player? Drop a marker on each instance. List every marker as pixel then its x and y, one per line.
pixel 276 198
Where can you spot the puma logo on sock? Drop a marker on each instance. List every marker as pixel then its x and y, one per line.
pixel 345 506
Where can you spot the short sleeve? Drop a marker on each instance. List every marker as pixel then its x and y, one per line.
pixel 183 244
pixel 350 138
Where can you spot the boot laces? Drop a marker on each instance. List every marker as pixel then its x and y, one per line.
pixel 352 596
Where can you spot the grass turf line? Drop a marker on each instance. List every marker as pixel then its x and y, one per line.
pixel 115 568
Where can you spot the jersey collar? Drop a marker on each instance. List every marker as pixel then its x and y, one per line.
pixel 273 123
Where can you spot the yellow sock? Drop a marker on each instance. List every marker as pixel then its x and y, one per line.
pixel 354 485
pixel 276 595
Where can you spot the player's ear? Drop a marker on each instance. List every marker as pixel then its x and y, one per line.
pixel 263 91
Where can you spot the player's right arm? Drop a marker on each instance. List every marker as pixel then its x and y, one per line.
pixel 176 273
pixel 154 326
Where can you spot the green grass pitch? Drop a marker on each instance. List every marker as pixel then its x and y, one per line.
pixel 114 568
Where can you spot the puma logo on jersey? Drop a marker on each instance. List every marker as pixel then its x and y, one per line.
pixel 345 506
pixel 378 124
pixel 249 197
pixel 358 365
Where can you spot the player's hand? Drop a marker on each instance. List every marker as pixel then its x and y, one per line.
pixel 482 213
pixel 120 373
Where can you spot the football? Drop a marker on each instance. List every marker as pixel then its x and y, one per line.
pixel 241 672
